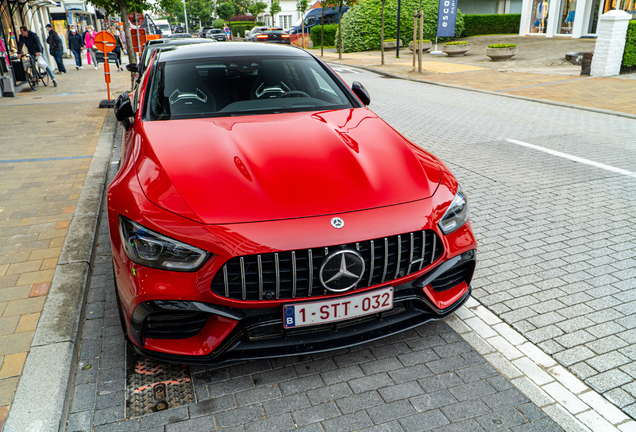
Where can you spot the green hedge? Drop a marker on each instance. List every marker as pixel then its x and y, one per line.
pixel 361 24
pixel 330 35
pixel 629 56
pixel 491 24
pixel 239 27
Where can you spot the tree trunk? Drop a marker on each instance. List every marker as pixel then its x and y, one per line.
pixel 302 25
pixel 129 45
pixel 382 34
pixel 340 30
pixel 322 32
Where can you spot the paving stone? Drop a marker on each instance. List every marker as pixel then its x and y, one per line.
pixel 391 411
pixel 424 422
pixel 212 406
pixel 464 410
pixel 329 393
pixel 607 361
pixel 239 416
pixel 472 390
pixel 273 424
pixel 505 418
pixel 315 413
pixel 373 382
pixel 359 402
pixel 608 380
pixel 349 422
pixel 433 400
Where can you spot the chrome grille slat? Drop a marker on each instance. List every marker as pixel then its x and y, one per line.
pixel 226 283
pixel 311 272
pixel 423 249
pixel 260 277
pixel 243 287
pixel 399 257
pixel 372 263
pixel 293 274
pixel 277 267
pixel 386 258
pixel 290 274
pixel 408 271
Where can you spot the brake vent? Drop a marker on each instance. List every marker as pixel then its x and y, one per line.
pixel 174 324
pixel 462 272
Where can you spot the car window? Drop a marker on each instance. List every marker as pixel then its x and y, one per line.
pixel 242 86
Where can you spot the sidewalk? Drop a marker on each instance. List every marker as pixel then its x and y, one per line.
pixel 48 138
pixel 539 71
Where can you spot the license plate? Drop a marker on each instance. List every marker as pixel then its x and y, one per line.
pixel 304 314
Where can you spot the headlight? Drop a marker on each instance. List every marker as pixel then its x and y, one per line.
pixel 152 249
pixel 456 215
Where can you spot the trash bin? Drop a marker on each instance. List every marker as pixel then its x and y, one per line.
pixel 18 69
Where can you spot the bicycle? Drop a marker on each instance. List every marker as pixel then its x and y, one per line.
pixel 35 74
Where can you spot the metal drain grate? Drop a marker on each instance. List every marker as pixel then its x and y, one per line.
pixel 153 386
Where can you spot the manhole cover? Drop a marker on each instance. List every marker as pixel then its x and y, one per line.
pixel 153 386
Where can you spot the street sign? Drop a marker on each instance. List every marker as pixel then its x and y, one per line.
pixel 105 42
pixel 138 39
pixel 136 18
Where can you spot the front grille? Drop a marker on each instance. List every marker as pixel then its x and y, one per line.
pixel 174 324
pixel 293 274
pixel 462 272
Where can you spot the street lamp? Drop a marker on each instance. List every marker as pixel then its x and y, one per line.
pixel 185 14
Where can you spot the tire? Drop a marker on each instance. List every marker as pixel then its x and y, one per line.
pixel 31 78
pixel 45 78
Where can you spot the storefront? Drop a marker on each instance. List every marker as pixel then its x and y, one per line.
pixel 569 18
pixel 34 15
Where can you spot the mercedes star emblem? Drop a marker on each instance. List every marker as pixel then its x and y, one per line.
pixel 342 270
pixel 337 223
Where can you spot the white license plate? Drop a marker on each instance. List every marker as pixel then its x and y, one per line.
pixel 304 314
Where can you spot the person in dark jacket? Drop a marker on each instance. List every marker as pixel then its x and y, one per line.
pixel 55 48
pixel 32 42
pixel 75 44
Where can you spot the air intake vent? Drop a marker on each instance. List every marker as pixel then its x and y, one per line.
pixel 174 324
pixel 295 274
pixel 462 272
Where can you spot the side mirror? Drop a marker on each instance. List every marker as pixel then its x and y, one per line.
pixel 132 67
pixel 361 92
pixel 124 110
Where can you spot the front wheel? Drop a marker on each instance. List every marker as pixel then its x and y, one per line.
pixel 32 79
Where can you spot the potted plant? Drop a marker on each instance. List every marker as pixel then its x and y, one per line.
pixel 426 45
pixel 500 52
pixel 456 48
pixel 390 44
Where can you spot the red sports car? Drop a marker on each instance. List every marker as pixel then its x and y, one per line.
pixel 262 210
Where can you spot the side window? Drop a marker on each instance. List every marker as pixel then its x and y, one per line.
pixel 322 83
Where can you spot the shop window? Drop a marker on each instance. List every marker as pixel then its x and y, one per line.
pixel 568 10
pixel 539 16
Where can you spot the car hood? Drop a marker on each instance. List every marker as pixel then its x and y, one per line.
pixel 280 166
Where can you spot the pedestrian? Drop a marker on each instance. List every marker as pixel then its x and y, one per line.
pixel 90 44
pixel 75 44
pixel 122 37
pixel 228 35
pixel 32 42
pixel 117 50
pixel 55 48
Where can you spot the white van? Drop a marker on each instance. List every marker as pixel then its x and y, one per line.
pixel 164 26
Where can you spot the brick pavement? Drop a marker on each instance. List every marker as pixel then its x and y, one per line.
pixel 37 201
pixel 541 73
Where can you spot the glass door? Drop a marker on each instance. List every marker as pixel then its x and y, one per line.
pixel 539 16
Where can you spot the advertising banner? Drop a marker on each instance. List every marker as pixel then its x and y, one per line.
pixel 446 17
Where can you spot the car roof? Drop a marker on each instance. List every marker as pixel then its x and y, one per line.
pixel 184 41
pixel 187 52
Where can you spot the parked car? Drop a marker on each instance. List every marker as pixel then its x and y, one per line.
pixel 164 27
pixel 216 34
pixel 178 36
pixel 251 36
pixel 203 31
pixel 273 36
pixel 262 210
pixel 154 45
pixel 312 18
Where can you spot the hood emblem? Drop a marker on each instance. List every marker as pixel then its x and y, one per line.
pixel 337 223
pixel 342 270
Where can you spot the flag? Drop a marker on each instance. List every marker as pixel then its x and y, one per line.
pixel 446 17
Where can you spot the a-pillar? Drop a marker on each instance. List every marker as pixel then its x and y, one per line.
pixel 610 43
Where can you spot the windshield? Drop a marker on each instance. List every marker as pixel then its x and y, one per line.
pixel 164 27
pixel 241 86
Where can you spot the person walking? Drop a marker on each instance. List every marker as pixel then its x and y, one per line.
pixel 55 48
pixel 90 44
pixel 75 44
pixel 34 47
pixel 117 50
pixel 228 34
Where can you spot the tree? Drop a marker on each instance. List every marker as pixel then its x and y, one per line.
pixel 225 10
pixel 274 9
pixel 323 5
pixel 257 8
pixel 302 6
pixel 382 34
pixel 123 7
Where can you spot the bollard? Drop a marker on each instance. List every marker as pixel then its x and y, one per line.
pixel 586 63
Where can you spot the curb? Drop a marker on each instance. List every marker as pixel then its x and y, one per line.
pixel 41 400
pixel 524 98
pixel 571 403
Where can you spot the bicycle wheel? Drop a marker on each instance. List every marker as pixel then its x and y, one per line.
pixel 32 78
pixel 44 77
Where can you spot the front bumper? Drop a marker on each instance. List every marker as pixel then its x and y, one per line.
pixel 259 333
